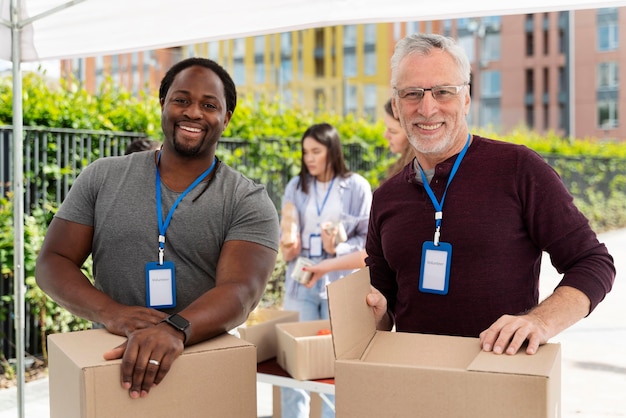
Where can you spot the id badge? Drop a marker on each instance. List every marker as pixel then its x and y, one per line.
pixel 435 268
pixel 160 285
pixel 315 245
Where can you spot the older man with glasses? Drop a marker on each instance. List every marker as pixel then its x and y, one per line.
pixel 455 240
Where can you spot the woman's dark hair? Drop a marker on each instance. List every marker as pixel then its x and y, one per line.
pixel 230 92
pixel 327 135
pixel 142 144
pixel 388 108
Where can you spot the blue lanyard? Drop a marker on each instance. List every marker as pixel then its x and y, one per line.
pixel 317 205
pixel 164 224
pixel 439 205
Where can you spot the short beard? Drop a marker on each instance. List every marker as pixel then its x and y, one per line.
pixel 186 151
pixel 426 147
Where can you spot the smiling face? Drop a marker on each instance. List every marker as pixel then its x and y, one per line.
pixel 436 130
pixel 315 156
pixel 193 113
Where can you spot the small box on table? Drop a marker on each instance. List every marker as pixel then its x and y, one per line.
pixel 260 330
pixel 305 349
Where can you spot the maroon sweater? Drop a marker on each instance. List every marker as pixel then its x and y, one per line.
pixel 504 206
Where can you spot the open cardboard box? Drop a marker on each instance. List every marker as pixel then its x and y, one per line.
pixel 215 378
pixel 395 374
pixel 260 330
pixel 303 353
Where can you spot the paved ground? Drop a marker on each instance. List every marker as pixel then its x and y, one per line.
pixel 593 356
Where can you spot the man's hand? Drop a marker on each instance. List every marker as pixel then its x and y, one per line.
pixel 124 320
pixel 560 310
pixel 147 357
pixel 378 302
pixel 508 334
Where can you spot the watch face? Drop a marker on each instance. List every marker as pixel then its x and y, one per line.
pixel 178 321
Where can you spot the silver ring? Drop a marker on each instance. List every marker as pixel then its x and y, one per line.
pixel 156 363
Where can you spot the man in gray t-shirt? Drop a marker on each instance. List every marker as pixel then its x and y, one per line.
pixel 167 231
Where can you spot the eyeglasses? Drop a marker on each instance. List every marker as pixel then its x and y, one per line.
pixel 441 94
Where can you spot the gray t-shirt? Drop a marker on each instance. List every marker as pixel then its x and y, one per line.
pixel 116 195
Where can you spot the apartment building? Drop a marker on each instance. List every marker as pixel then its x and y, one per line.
pixel 555 71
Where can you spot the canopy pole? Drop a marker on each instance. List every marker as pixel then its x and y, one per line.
pixel 18 206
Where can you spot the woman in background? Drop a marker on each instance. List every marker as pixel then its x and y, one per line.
pixel 398 142
pixel 327 208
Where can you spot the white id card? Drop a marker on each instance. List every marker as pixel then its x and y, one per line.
pixel 315 245
pixel 435 269
pixel 160 285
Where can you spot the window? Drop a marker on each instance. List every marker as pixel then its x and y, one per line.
pixel 530 81
pixel 285 43
pixel 349 65
pixel 608 31
pixel 239 48
pixel 350 99
pixel 530 44
pixel 468 44
pixel 286 71
pixel 490 84
pixel 214 51
pixel 447 27
pixel 490 49
pixel 239 72
pixel 607 114
pixel 369 34
pixel 349 36
pixel 490 115
pixel 563 117
pixel 369 62
pixel 397 31
pixel 608 94
pixel 259 70
pixel 562 80
pixel 369 109
pixel 530 116
pixel 608 76
pixel 259 45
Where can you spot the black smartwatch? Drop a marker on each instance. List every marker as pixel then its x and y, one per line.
pixel 179 323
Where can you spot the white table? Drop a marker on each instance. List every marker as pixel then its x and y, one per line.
pixel 270 372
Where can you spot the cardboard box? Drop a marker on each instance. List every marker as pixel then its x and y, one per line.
pixel 215 378
pixel 260 330
pixel 394 374
pixel 304 354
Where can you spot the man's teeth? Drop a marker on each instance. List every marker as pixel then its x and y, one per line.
pixel 429 127
pixel 190 129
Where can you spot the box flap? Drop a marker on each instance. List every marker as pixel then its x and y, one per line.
pixel 539 364
pixel 85 348
pixel 351 319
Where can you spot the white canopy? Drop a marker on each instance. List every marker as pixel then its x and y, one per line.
pixel 36 30
pixel 76 28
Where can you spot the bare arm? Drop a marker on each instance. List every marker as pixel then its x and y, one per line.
pixel 349 261
pixel 58 273
pixel 562 309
